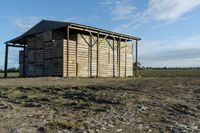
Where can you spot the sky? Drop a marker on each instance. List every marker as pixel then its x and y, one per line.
pixel 170 29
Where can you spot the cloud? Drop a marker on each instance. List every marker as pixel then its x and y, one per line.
pixel 170 9
pixel 184 51
pixel 119 9
pixel 166 11
pixel 25 23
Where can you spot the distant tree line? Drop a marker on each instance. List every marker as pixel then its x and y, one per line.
pixel 12 69
pixel 140 67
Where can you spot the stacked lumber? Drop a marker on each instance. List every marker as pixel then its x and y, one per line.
pixel 129 64
pixel 53 67
pixel 53 62
pixel 47 55
pixel 59 34
pixel 30 43
pixel 94 58
pixel 123 59
pixel 72 58
pixel 82 56
pixel 43 56
pixel 48 36
pixel 39 57
pixel 39 41
pixel 21 61
pixel 30 70
pixel 30 56
pixel 103 59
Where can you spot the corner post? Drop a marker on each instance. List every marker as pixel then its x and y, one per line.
pixel 97 55
pixel 6 62
pixel 90 57
pixel 136 59
pixel 119 65
pixel 113 58
pixel 68 51
pixel 132 60
pixel 24 61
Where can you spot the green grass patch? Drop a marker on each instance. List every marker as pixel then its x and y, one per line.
pixel 12 74
pixel 63 125
pixel 170 73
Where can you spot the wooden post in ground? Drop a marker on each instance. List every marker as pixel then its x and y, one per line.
pixel 97 56
pixel 90 56
pixel 76 58
pixel 113 58
pixel 68 51
pixel 24 61
pixel 119 65
pixel 136 60
pixel 6 62
pixel 132 60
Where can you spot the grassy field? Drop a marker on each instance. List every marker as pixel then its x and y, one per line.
pixel 10 75
pixel 152 73
pixel 170 73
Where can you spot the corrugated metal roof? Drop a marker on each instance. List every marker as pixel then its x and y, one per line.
pixel 46 25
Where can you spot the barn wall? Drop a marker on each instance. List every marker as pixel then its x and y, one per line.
pixel 129 66
pixel 46 55
pixel 72 58
pixel 83 58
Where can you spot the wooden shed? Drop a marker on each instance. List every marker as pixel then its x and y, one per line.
pixel 53 48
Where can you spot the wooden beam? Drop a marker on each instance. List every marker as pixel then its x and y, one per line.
pixel 125 61
pixel 6 62
pixel 132 60
pixel 97 71
pixel 68 51
pixel 76 58
pixel 17 46
pixel 101 33
pixel 136 60
pixel 119 57
pixel 90 56
pixel 113 58
pixel 24 61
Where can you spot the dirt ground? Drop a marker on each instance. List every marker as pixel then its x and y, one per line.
pixel 51 105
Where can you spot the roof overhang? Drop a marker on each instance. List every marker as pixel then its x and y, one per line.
pixel 46 25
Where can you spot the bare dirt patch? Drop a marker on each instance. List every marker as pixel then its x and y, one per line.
pixel 100 105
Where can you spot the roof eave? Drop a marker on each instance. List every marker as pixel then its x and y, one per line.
pixel 106 31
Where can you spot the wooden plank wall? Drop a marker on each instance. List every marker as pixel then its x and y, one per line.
pixel 44 54
pixel 53 58
pixel 94 57
pixel 129 66
pixel 48 57
pixel 104 59
pixel 82 56
pixel 72 58
pixel 80 65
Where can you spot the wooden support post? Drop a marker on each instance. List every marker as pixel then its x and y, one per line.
pixel 113 58
pixel 76 58
pixel 68 51
pixel 90 56
pixel 119 57
pixel 24 61
pixel 125 61
pixel 97 71
pixel 132 60
pixel 6 61
pixel 136 60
